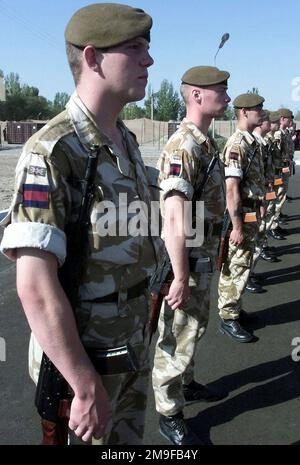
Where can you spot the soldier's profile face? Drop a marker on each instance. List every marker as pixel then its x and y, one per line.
pixel 256 115
pixel 125 68
pixel 274 126
pixel 215 99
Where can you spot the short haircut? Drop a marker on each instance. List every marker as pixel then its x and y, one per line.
pixel 184 91
pixel 74 55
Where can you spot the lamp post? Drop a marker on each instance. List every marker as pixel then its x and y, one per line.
pixel 224 39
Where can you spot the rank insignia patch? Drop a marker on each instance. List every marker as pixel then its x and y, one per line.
pixel 37 170
pixel 35 195
pixel 175 165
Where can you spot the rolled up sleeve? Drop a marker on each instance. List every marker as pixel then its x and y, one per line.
pixel 37 235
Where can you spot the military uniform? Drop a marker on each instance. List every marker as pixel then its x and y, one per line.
pixel 46 199
pixel 236 268
pixel 283 172
pixel 275 153
pixel 182 165
pixel 269 174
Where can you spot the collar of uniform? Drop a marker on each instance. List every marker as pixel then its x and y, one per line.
pixel 259 138
pixel 84 123
pixel 197 134
pixel 249 138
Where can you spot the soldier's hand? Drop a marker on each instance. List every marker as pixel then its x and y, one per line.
pixel 90 411
pixel 179 294
pixel 236 237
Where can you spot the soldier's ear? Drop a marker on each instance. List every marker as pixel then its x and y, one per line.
pixel 90 56
pixel 196 93
pixel 244 112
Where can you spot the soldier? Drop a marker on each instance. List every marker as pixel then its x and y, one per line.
pixel 107 47
pixel 245 192
pixel 184 314
pixel 273 221
pixel 261 247
pixel 282 141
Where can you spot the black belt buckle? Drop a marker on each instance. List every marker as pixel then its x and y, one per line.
pixel 114 361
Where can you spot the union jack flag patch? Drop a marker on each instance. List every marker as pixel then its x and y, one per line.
pixel 37 170
pixel 35 195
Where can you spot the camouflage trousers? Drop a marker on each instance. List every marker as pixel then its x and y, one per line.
pixel 281 198
pixel 264 227
pixel 179 333
pixel 127 392
pixel 235 273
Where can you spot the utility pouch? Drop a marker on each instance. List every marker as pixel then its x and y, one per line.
pixel 200 265
pixel 270 195
pixel 113 361
pixel 278 182
pixel 249 217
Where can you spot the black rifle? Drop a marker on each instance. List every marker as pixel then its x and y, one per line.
pixel 53 394
pixel 162 278
pixel 227 224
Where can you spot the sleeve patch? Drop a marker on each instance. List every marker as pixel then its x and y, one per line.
pixel 233 155
pixel 35 196
pixel 37 170
pixel 175 165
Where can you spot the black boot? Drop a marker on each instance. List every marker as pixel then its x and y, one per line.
pixel 254 287
pixel 267 256
pixel 177 431
pixel 234 330
pixel 276 235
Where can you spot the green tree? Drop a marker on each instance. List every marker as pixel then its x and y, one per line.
pixel 29 91
pixel 168 102
pixel 132 111
pixel 59 102
pixel 253 91
pixel 12 84
pixel 228 115
pixel 21 107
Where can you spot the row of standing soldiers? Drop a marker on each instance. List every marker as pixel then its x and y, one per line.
pixel 249 182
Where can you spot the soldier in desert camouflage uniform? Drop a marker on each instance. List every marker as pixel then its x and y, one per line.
pixel 244 195
pixel 261 247
pixel 184 315
pixel 282 141
pixel 113 304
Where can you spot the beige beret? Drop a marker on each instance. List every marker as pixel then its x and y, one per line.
pixel 285 113
pixel 202 76
pixel 106 25
pixel 248 101
pixel 274 116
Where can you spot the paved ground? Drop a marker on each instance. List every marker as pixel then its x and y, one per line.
pixel 262 380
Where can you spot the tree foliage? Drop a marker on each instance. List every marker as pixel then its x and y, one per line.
pixel 254 90
pixel 24 102
pixel 163 105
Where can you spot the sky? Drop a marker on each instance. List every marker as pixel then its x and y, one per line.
pixel 263 50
